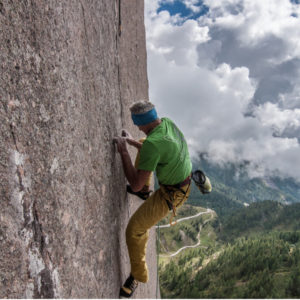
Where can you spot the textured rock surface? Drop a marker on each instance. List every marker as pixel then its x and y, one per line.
pixel 67 80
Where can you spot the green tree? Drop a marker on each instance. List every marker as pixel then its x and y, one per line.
pixel 293 289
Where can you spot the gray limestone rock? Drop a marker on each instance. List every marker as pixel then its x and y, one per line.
pixel 67 78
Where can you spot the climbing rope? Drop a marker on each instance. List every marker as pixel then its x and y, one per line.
pixel 157 261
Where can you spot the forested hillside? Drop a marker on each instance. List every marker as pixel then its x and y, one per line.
pixel 261 217
pixel 262 267
pixel 254 252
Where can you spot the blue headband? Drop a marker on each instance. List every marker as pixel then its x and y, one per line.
pixel 144 119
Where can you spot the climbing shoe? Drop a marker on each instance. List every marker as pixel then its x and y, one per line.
pixel 140 194
pixel 129 287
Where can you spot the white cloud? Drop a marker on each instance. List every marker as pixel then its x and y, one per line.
pixel 192 5
pixel 255 19
pixel 151 7
pixel 206 74
pixel 278 119
pixel 176 42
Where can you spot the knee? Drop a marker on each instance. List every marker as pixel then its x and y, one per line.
pixel 135 231
pixel 130 230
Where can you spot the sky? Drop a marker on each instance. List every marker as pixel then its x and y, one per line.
pixel 227 72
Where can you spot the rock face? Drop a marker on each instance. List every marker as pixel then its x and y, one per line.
pixel 67 77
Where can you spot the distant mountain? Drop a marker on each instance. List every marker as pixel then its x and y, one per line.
pixel 233 188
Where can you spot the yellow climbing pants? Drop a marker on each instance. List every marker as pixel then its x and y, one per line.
pixel 147 215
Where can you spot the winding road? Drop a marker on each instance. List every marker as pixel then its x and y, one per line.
pixel 198 236
pixel 208 210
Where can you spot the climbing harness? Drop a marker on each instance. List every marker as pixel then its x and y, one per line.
pixel 201 181
pixel 171 190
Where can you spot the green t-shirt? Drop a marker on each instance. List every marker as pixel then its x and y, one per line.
pixel 165 151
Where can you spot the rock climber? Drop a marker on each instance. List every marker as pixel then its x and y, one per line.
pixel 165 151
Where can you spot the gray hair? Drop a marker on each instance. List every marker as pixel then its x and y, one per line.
pixel 141 107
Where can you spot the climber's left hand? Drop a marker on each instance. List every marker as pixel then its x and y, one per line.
pixel 121 143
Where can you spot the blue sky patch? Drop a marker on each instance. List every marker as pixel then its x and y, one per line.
pixel 178 7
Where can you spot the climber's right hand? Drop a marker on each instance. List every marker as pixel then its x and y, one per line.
pixel 130 140
pixel 126 134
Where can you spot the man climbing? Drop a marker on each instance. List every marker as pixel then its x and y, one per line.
pixel 164 151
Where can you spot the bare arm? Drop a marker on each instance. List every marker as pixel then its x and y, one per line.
pixel 136 178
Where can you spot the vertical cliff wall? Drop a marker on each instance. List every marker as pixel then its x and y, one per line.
pixel 67 78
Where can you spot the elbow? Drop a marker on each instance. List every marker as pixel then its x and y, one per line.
pixel 136 188
pixel 139 181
